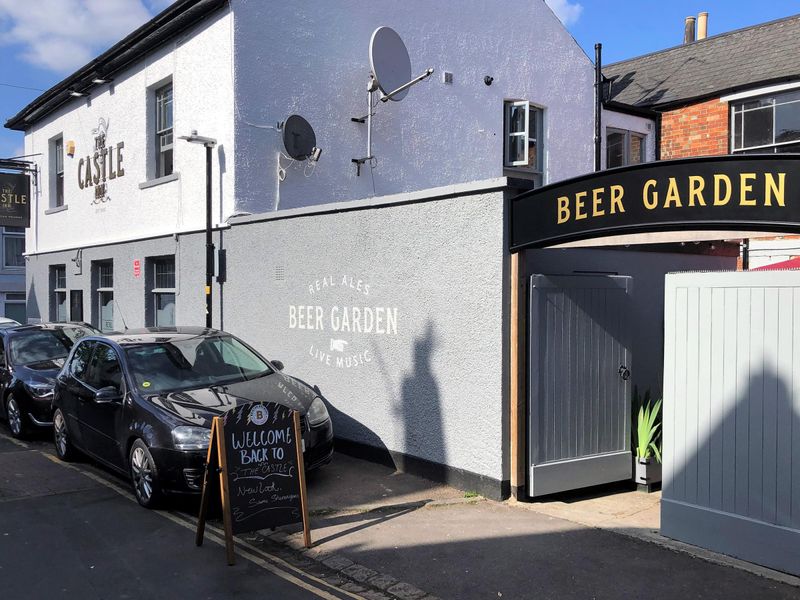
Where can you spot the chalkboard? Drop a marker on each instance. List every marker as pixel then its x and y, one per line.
pixel 257 450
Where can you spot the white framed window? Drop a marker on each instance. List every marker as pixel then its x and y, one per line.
pixel 163 131
pixel 524 148
pixel 57 171
pixel 162 288
pixel 624 148
pixel 58 281
pixel 13 248
pixel 103 278
pixel 767 124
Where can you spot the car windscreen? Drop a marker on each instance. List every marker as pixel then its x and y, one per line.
pixel 183 364
pixel 40 345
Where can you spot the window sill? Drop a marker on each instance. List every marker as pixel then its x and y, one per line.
pixel 159 181
pixel 56 209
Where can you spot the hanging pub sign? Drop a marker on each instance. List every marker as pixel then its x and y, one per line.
pixel 257 451
pixel 15 200
pixel 753 192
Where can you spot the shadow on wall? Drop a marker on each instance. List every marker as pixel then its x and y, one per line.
pixel 32 306
pixel 419 411
pixel 740 471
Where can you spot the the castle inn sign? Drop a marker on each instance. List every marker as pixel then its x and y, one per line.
pixel 15 200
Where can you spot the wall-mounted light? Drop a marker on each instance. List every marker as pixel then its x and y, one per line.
pixel 69 146
pixel 100 80
pixel 77 94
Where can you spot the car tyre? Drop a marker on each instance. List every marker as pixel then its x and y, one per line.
pixel 17 421
pixel 144 475
pixel 64 448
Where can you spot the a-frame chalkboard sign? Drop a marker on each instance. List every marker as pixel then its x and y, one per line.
pixel 257 451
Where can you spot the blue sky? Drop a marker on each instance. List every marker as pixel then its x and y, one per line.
pixel 42 45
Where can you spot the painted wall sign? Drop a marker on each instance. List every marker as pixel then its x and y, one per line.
pixel 755 192
pixel 341 309
pixel 102 166
pixel 14 200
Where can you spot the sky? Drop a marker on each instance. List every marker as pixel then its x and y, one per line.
pixel 43 41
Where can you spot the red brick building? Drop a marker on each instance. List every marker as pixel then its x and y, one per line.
pixel 733 93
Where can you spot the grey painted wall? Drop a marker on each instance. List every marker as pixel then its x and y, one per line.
pixel 415 293
pixel 732 414
pixel 647 308
pixel 428 379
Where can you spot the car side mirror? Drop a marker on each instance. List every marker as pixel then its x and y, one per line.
pixel 278 365
pixel 107 395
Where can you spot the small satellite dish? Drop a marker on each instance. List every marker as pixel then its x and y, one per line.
pixel 390 63
pixel 298 137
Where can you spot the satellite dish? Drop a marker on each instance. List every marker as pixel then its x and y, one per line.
pixel 390 63
pixel 298 137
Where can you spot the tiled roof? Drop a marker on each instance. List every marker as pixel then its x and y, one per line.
pixel 724 63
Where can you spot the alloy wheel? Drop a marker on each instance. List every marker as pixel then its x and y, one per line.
pixel 142 472
pixel 14 416
pixel 60 431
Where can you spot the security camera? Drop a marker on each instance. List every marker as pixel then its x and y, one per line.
pixel 315 154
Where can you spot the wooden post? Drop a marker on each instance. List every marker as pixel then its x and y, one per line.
pixel 223 485
pixel 517 372
pixel 301 471
pixel 211 468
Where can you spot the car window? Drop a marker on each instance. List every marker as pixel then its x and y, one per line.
pixel 80 360
pixel 104 369
pixel 39 345
pixel 192 363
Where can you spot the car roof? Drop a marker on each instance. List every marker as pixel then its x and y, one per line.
pixel 158 335
pixel 43 326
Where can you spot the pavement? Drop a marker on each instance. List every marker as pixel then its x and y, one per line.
pixel 377 534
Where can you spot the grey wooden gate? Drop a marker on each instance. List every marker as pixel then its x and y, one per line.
pixel 578 388
pixel 732 414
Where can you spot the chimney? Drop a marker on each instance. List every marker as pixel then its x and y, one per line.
pixel 702 26
pixel 688 30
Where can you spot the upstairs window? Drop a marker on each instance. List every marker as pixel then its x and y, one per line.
pixel 524 149
pixel 624 148
pixel 57 172
pixel 164 137
pixel 769 124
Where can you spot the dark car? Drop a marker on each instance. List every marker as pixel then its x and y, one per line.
pixel 142 402
pixel 30 358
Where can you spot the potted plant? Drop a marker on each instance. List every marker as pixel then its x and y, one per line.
pixel 647 446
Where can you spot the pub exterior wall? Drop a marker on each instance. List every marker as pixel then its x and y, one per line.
pixel 700 129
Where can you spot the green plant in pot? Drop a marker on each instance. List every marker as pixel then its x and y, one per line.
pixel 647 444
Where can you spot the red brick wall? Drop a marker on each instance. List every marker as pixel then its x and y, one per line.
pixel 696 130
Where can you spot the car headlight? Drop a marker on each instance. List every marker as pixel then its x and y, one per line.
pixel 191 438
pixel 40 390
pixel 317 412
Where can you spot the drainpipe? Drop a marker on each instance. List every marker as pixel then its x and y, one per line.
pixel 688 30
pixel 702 26
pixel 598 104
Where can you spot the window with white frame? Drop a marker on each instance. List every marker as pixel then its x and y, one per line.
pixel 58 281
pixel 767 124
pixel 13 248
pixel 162 288
pixel 163 132
pixel 624 148
pixel 103 279
pixel 524 149
pixel 57 172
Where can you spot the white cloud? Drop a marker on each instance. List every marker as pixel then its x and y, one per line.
pixel 568 12
pixel 62 35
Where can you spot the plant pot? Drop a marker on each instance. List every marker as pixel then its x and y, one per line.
pixel 647 473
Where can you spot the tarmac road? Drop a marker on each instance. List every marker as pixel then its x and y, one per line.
pixel 76 532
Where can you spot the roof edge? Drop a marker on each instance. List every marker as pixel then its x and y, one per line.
pixel 175 19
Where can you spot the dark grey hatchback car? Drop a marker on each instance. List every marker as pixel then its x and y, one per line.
pixel 141 402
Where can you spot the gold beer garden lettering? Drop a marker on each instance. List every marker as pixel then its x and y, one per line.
pixel 720 191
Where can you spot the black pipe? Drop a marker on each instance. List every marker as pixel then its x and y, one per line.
pixel 598 105
pixel 209 240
